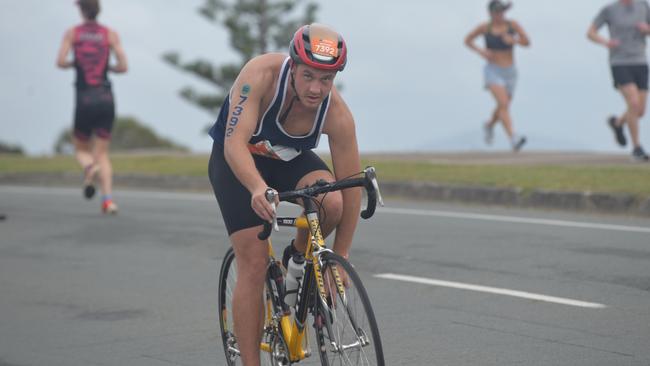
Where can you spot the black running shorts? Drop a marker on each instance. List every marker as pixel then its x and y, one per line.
pixel 627 74
pixel 94 112
pixel 235 200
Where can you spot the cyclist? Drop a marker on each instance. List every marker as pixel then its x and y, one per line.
pixel 500 73
pixel 628 28
pixel 91 44
pixel 273 117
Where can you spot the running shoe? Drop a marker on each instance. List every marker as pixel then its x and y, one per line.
pixel 89 176
pixel 89 191
pixel 618 131
pixel 109 207
pixel 639 155
pixel 488 133
pixel 519 144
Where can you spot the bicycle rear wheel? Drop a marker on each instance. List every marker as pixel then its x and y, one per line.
pixel 345 325
pixel 273 346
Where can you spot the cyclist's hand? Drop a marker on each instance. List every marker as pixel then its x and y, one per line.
pixel 261 205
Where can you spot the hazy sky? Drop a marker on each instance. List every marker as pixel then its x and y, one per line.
pixel 410 81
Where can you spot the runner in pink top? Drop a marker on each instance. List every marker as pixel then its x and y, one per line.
pixel 91 44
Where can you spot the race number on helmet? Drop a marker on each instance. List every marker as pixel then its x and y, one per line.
pixel 318 46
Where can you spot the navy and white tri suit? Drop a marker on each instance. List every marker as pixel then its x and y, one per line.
pixel 281 158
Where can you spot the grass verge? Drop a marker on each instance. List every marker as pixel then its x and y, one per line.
pixel 631 179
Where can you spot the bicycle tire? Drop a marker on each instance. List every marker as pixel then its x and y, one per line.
pixel 227 280
pixel 336 320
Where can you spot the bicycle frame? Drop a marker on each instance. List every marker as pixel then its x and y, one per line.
pixel 293 330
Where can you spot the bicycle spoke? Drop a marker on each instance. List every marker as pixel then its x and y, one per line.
pixel 349 334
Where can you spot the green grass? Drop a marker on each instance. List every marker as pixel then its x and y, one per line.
pixel 610 179
pixel 632 179
pixel 191 165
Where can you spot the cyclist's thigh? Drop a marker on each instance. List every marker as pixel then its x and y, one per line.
pixel 234 199
pixel 251 253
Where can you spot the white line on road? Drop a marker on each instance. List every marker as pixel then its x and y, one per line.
pixel 202 197
pixel 492 290
pixel 513 219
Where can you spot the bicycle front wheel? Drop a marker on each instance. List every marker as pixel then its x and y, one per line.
pixel 345 325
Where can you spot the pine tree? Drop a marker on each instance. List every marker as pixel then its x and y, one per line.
pixel 255 27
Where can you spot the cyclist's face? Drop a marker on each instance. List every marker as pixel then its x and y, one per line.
pixel 312 85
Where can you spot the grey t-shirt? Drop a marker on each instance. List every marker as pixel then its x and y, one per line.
pixel 622 22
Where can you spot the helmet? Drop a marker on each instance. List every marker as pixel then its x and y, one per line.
pixel 318 46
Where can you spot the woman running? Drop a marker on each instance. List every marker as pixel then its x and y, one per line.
pixel 501 35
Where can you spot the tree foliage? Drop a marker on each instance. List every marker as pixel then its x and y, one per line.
pixel 128 134
pixel 255 27
pixel 6 148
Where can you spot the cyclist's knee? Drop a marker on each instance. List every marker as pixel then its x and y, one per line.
pixel 248 269
pixel 250 252
pixel 333 205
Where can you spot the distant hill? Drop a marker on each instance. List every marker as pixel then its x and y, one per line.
pixel 128 134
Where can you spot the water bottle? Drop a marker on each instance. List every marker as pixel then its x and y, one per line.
pixel 295 271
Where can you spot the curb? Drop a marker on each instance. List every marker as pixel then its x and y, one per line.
pixel 625 204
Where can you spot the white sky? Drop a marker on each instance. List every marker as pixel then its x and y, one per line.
pixel 410 81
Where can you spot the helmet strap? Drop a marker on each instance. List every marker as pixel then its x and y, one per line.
pixel 284 115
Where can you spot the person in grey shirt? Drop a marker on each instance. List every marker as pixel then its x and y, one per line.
pixel 628 28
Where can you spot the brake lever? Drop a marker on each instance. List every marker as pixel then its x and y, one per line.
pixel 271 195
pixel 372 175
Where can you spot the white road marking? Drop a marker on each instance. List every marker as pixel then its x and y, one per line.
pixel 492 290
pixel 513 219
pixel 202 197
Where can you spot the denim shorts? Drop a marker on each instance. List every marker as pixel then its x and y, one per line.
pixel 503 76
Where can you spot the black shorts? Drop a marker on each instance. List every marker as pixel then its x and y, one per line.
pixel 627 74
pixel 235 200
pixel 94 112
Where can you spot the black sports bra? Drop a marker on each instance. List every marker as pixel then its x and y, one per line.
pixel 495 41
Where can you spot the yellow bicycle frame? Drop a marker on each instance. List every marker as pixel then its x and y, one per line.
pixel 294 336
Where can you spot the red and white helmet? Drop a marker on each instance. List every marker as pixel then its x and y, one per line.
pixel 318 46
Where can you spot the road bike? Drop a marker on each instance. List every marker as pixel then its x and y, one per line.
pixel 332 316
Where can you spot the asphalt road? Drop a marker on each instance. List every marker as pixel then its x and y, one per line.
pixel 451 285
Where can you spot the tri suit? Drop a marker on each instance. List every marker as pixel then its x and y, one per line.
pixel 282 159
pixel 95 107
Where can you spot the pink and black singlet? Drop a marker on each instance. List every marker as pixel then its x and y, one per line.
pixel 95 109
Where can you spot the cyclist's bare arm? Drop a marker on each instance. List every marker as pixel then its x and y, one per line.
pixel 62 60
pixel 340 130
pixel 252 84
pixel 120 56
